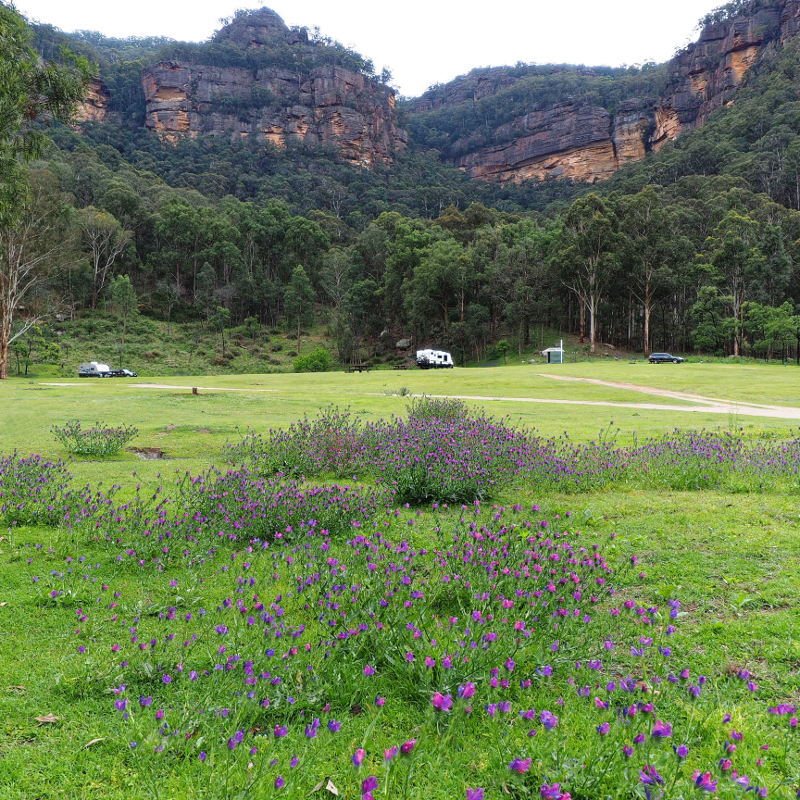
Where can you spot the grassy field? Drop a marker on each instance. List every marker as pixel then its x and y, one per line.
pixel 733 560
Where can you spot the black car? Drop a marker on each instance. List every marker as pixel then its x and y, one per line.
pixel 664 358
pixel 123 373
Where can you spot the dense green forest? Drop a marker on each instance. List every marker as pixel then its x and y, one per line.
pixel 695 248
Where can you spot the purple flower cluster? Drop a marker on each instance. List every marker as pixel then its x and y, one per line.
pixel 448 452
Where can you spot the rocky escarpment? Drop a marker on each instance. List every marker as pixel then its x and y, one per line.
pixel 94 107
pixel 328 104
pixel 576 140
pixel 708 73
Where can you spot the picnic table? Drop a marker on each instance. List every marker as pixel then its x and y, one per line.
pixel 358 368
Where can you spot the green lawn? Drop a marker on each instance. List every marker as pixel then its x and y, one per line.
pixel 734 560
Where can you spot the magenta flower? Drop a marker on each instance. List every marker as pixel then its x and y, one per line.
pixel 281 731
pixel 475 794
pixel 548 720
pixel 662 730
pixel 520 765
pixel 682 751
pixel 358 757
pixel 279 782
pixel 390 753
pixel 368 670
pixel 703 781
pixel 408 746
pixel 334 726
pixel 368 784
pixel 409 657
pixel 442 702
pixel 649 776
pixel 603 729
pixel 553 792
pixel 466 691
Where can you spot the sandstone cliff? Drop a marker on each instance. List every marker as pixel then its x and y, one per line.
pixel 94 107
pixel 576 140
pixel 327 104
pixel 280 86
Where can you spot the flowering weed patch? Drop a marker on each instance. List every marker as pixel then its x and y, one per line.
pixel 245 633
pixel 497 650
pixel 445 451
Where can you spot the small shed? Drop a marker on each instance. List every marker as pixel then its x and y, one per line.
pixel 555 355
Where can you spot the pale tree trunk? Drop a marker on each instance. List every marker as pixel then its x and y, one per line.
pixel 5 337
pixel 592 314
pixel 31 251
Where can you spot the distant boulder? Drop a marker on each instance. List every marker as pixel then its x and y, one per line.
pixel 403 344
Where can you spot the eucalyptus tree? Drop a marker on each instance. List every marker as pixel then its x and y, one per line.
pixel 31 89
pixel 588 254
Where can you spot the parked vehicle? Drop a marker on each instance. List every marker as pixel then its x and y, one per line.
pixel 665 358
pixel 434 359
pixel 94 369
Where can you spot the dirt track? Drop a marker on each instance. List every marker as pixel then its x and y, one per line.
pixel 691 397
pixel 707 405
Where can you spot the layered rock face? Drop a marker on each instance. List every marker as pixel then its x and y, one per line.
pixel 707 74
pixel 587 143
pixel 327 105
pixel 563 141
pixel 94 107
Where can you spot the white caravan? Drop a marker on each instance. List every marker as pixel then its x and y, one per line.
pixel 434 359
pixel 94 369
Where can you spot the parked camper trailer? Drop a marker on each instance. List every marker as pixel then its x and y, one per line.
pixel 94 369
pixel 434 359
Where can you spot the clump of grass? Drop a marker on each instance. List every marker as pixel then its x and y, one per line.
pixel 98 440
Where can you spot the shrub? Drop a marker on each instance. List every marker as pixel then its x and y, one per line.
pixel 318 361
pixel 96 441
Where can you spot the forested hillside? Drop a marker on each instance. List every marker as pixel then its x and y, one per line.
pixel 693 247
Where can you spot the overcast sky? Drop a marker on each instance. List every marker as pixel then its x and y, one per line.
pixel 421 41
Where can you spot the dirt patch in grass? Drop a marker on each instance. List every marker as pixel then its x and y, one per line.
pixel 149 453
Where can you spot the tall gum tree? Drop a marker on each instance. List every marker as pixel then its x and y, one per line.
pixel 31 91
pixel 39 245
pixel 652 248
pixel 588 253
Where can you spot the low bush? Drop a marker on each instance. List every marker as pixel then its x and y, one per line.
pixel 96 441
pixel 318 361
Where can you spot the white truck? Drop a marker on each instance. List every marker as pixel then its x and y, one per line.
pixel 434 359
